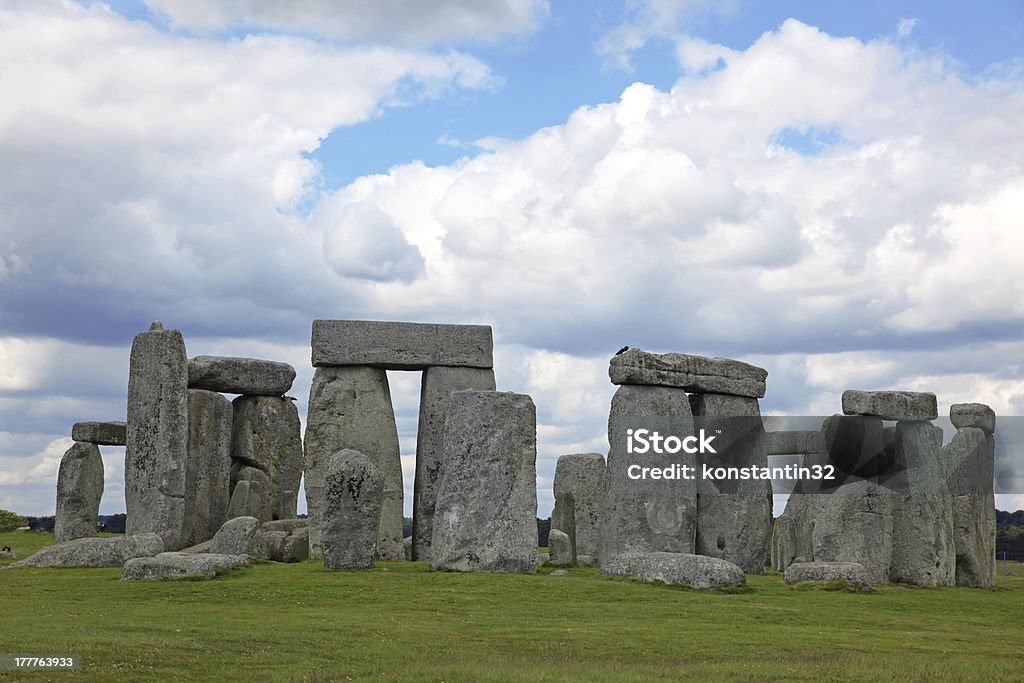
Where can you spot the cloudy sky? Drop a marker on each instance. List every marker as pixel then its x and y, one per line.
pixel 832 191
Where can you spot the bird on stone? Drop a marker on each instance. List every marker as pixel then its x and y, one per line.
pixel 622 351
pixel 291 398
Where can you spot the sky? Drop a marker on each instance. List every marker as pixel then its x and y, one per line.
pixel 832 191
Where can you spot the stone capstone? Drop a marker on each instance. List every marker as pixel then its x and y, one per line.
pixel 350 408
pixel 891 405
pixel 696 374
pixel 240 375
pixel 95 552
pixel 973 415
pixel 400 346
pixel 852 572
pixel 101 433
pixel 578 489
pixel 485 516
pixel 436 388
pixel 157 435
pixel 677 569
pixel 79 490
pixel 353 495
pixel 180 565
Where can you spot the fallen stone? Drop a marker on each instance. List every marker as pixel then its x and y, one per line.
pixel 400 346
pixel 95 552
pixel 578 488
pixel 267 435
pixel 973 415
pixel 353 495
pixel 198 548
pixel 101 433
pixel 240 375
pixel 852 572
pixel 208 469
pixel 641 516
pixel 236 538
pixel 436 389
pixel 179 565
pixel 157 435
pixel 734 518
pixel 350 408
pixel 282 543
pixel 288 525
pixel 559 572
pixel 677 569
pixel 559 548
pixel 794 442
pixel 696 374
pixel 485 517
pixel 891 405
pixel 79 490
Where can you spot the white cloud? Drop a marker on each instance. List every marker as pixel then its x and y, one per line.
pixel 361 241
pixel 423 22
pixel 906 27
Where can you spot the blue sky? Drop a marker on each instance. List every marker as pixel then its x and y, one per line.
pixel 832 191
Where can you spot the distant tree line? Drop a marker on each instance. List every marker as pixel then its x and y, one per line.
pixel 1010 534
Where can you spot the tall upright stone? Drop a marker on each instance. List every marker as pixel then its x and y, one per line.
pixel 578 488
pixel 970 461
pixel 647 515
pixel 854 523
pixel 267 435
pixel 485 516
pixel 437 385
pixel 734 518
pixel 353 495
pixel 350 408
pixel 79 490
pixel 208 469
pixel 157 435
pixel 923 551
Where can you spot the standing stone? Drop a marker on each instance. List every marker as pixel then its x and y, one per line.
pixel 252 494
pixel 100 433
pixel 891 405
pixel 486 513
pixel 157 435
pixel 208 472
pixel 559 548
pixel 267 435
pixel 970 458
pixel 436 389
pixel 578 488
pixel 854 523
pixel 353 495
pixel 240 375
pixel 734 518
pixel 79 489
pixel 923 552
pixel 350 407
pixel 642 516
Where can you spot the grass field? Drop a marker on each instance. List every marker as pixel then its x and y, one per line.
pixel 404 622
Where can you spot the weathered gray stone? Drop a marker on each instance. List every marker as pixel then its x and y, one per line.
pixel 973 415
pixel 436 389
pixel 95 552
pixel 559 548
pixel 855 523
pixel 794 442
pixel 852 572
pixel 179 565
pixel 79 490
pixel 400 346
pixel 236 537
pixel 240 375
pixel 858 446
pixel 252 493
pixel 641 516
pixel 485 517
pixel 677 569
pixel 407 547
pixel 350 408
pixel 157 435
pixel 692 373
pixel 282 541
pixel 288 525
pixel 578 488
pixel 294 548
pixel 198 548
pixel 101 433
pixel 792 533
pixel 891 405
pixel 559 572
pixel 353 496
pixel 734 518
pixel 923 547
pixel 267 435
pixel 970 457
pixel 208 468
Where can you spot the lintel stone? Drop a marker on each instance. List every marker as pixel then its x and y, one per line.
pixel 695 374
pixel 401 346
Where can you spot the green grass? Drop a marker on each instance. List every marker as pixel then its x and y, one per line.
pixel 404 622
